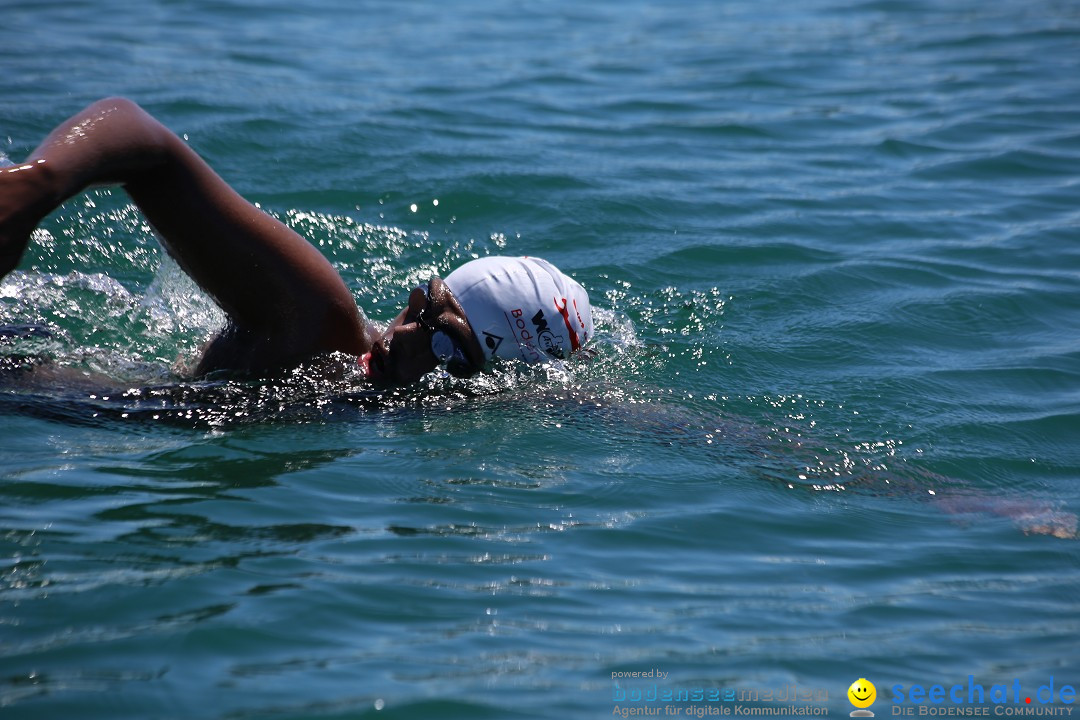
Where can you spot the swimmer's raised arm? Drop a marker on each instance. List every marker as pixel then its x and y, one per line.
pixel 284 300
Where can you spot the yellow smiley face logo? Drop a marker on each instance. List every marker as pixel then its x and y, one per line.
pixel 862 693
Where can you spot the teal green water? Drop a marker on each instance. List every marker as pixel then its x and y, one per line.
pixel 831 432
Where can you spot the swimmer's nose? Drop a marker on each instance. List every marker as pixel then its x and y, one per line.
pixel 418 300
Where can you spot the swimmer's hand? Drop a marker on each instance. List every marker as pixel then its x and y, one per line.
pixel 1046 521
pixel 1032 517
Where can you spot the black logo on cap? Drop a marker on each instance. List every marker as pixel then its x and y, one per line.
pixel 551 344
pixel 492 341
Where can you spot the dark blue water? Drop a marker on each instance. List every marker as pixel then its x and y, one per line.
pixel 830 434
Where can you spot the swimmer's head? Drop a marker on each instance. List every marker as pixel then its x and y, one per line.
pixel 522 308
pixel 494 307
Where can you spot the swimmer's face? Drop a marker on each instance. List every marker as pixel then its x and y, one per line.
pixel 862 693
pixel 403 354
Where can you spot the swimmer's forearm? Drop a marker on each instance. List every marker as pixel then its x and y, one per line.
pixel 112 141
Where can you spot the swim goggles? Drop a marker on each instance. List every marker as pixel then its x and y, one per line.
pixel 443 346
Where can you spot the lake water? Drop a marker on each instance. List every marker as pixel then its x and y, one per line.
pixel 831 432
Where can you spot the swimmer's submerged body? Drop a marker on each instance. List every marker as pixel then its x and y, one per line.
pixel 284 301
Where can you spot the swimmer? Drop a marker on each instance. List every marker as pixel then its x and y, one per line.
pixel 283 300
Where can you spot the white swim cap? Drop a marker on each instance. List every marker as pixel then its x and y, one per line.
pixel 522 307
